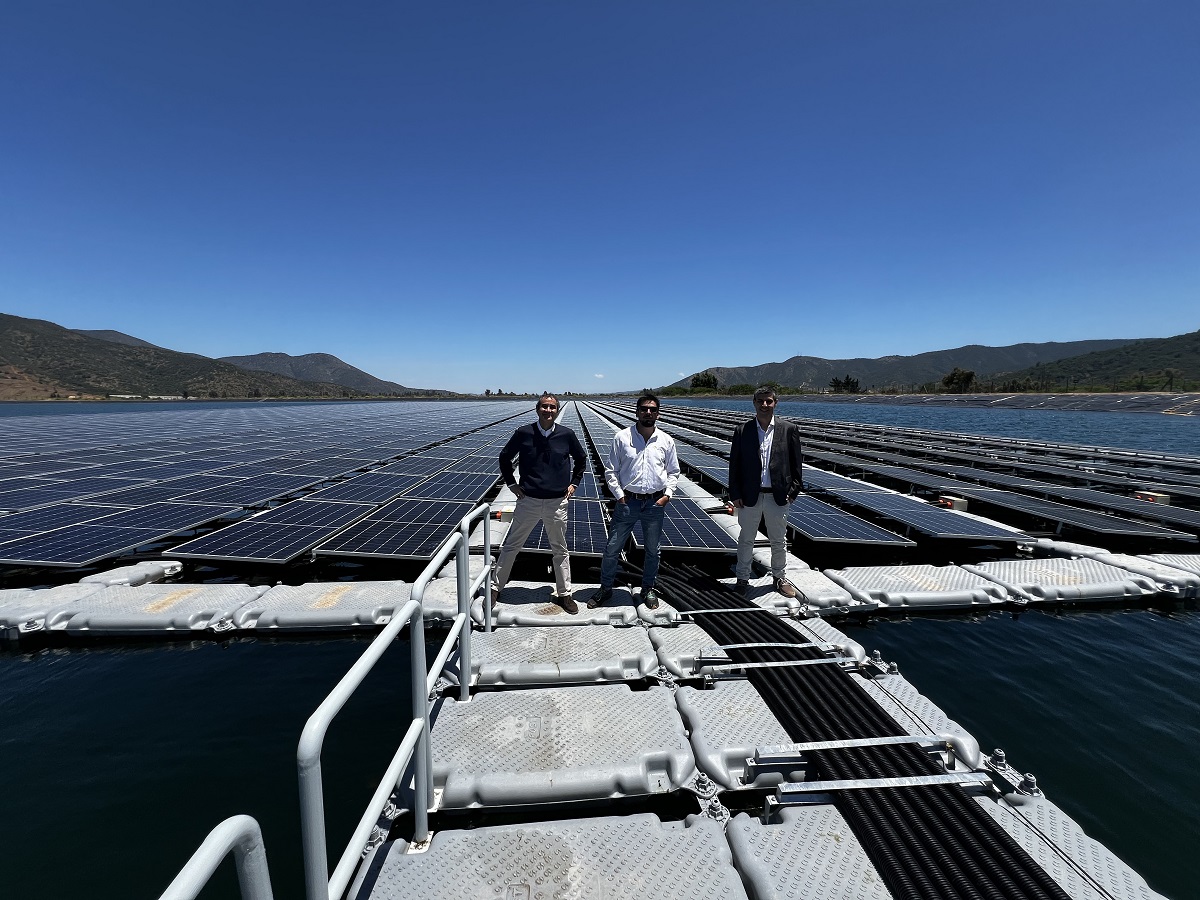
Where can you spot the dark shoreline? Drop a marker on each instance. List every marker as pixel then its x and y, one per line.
pixel 1169 404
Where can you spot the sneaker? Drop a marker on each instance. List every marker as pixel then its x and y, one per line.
pixel 785 587
pixel 567 602
pixel 601 596
pixel 650 598
pixel 742 588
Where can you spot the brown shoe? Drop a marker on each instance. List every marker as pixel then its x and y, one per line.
pixel 567 602
pixel 495 594
pixel 785 587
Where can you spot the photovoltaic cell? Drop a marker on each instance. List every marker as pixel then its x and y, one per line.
pixel 50 517
pixel 404 529
pixel 928 519
pixel 313 513
pixel 1070 515
pixel 819 521
pixel 253 542
pixel 166 518
pixel 454 486
pixel 369 488
pixel 415 465
pixel 687 526
pixel 77 545
pixel 589 488
pixel 31 498
pixel 587 534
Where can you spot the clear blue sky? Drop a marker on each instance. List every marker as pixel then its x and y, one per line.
pixel 534 195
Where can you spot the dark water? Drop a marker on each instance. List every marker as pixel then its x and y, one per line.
pixel 118 761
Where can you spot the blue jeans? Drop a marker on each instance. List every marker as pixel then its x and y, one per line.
pixel 650 514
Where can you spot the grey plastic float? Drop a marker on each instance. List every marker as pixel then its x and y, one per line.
pixel 920 587
pixel 333 605
pixel 154 608
pixel 1055 580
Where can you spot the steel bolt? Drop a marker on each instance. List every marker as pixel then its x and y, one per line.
pixel 998 758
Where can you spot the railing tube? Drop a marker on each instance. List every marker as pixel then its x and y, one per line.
pixel 240 834
pixel 463 569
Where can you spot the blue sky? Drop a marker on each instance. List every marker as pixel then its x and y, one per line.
pixel 531 196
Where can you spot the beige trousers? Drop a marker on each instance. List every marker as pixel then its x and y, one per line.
pixel 552 514
pixel 749 518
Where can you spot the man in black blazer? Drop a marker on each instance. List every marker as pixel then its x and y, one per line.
pixel 764 478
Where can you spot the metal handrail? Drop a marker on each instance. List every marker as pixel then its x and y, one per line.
pixel 318 883
pixel 242 836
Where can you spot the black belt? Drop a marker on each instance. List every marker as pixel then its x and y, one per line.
pixel 657 495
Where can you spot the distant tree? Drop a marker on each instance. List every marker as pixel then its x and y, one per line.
pixel 740 389
pixel 488 392
pixel 836 385
pixel 959 381
pixel 850 385
pixel 185 395
pixel 704 381
pixel 1170 375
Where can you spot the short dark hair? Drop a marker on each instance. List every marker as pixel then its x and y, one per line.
pixel 765 391
pixel 546 394
pixel 648 398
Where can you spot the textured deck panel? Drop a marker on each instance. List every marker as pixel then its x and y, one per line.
pixel 24 610
pixel 1033 820
pixel 558 744
pixel 726 725
pixel 609 858
pixel 678 647
pixel 532 603
pixel 1187 583
pixel 547 655
pixel 339 604
pixel 1189 562
pixel 1051 580
pixel 924 586
pixel 913 711
pixel 120 609
pixel 145 572
pixel 821 632
pixel 811 853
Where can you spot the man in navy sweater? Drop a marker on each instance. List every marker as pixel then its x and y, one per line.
pixel 544 451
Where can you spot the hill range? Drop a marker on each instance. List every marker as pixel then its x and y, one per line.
pixel 40 360
pixel 906 373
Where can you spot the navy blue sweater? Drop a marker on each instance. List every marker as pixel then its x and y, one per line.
pixel 545 463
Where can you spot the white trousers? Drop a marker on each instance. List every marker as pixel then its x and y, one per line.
pixel 552 514
pixel 748 519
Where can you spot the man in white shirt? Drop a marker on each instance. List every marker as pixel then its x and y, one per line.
pixel 643 469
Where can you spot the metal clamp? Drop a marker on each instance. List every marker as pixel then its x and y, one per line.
pixel 809 793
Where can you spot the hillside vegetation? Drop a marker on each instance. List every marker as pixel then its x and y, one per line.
pixel 320 367
pixel 1160 364
pixel 39 359
pixel 903 373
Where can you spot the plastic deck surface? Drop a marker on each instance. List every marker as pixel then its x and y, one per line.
pixel 923 585
pixel 1189 562
pixel 726 724
pixel 819 521
pixel 532 603
pixel 610 858
pixel 587 532
pixel 153 608
pixel 1070 579
pixel 330 605
pixel 558 744
pixel 516 656
pixel 686 526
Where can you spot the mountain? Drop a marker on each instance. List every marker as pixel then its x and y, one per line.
pixel 1156 364
pixel 116 337
pixel 320 367
pixel 39 359
pixel 813 372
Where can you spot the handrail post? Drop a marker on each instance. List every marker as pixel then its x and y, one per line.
pixel 242 836
pixel 462 562
pixel 423 789
pixel 487 556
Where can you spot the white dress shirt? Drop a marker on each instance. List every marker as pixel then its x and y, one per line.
pixel 766 437
pixel 642 466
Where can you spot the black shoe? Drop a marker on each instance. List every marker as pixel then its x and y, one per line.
pixel 601 596
pixel 650 598
pixel 742 588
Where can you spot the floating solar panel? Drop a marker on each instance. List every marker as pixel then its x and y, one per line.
pixel 931 520
pixel 77 545
pixel 165 518
pixel 819 479
pixel 819 521
pixel 719 474
pixel 455 486
pixel 415 465
pixel 31 498
pixel 313 513
pixel 587 534
pixel 589 488
pixel 1189 518
pixel 481 465
pixel 1070 515
pixel 252 541
pixel 326 468
pixel 687 526
pixel 50 517
pixel 369 488
pixel 252 491
pixel 404 529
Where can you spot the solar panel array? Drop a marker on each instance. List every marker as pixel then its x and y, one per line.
pixel 931 520
pixel 403 529
pixel 686 526
pixel 587 532
pixel 1070 515
pixel 63 479
pixel 820 521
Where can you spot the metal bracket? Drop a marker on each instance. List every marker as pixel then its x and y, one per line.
pixel 222 625
pixel 790 757
pixel 781 611
pixel 716 810
pixel 702 786
pixel 732 669
pixel 821 792
pixel 664 677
